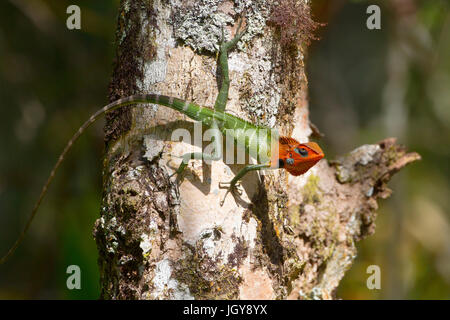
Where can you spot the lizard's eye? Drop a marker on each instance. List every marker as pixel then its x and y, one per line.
pixel 301 151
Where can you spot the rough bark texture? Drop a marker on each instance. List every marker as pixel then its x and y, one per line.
pixel 285 237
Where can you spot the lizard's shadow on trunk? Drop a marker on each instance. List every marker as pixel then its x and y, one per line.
pixel 260 207
pixel 270 240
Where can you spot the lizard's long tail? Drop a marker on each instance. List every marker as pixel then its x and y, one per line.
pixel 190 109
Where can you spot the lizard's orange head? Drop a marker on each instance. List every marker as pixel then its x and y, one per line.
pixel 297 157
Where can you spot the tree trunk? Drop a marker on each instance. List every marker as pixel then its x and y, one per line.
pixel 285 237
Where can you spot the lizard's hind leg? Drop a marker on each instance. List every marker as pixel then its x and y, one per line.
pixel 233 186
pixel 214 156
pixel 224 48
pixel 194 155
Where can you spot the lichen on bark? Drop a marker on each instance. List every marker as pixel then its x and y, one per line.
pixel 162 238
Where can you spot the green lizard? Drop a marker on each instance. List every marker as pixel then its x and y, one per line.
pixel 293 156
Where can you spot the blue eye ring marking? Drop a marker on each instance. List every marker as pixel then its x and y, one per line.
pixel 301 151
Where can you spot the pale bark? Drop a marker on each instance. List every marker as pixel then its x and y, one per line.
pixel 285 237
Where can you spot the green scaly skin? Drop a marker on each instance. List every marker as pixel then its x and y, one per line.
pixel 254 143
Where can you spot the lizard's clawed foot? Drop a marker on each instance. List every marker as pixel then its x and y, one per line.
pixel 231 187
pixel 225 46
pixel 238 29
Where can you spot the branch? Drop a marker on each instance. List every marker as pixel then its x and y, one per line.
pixel 336 209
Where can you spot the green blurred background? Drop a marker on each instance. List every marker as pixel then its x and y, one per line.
pixel 364 85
